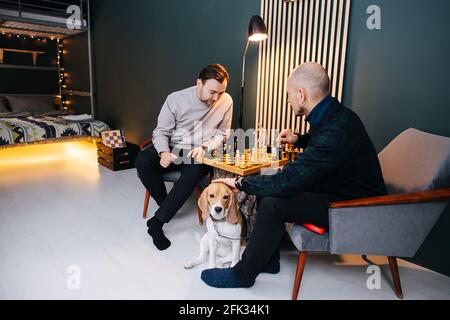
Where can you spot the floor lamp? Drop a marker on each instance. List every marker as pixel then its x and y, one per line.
pixel 257 32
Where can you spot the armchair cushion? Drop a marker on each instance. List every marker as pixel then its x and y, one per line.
pixel 416 161
pixel 306 240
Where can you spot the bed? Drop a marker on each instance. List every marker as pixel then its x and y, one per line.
pixel 30 120
pixel 26 130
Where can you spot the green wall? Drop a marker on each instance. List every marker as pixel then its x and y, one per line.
pixel 396 77
pixel 147 49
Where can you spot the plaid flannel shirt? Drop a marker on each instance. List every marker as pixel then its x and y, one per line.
pixel 338 159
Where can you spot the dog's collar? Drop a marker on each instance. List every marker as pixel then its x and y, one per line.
pixel 215 220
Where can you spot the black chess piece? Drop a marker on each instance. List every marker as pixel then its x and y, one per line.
pixel 280 152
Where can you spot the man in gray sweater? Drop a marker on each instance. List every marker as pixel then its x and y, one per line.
pixel 192 122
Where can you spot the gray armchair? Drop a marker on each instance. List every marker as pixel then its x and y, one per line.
pixel 416 169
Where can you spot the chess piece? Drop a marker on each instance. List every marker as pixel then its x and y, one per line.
pixel 274 153
pixel 254 156
pixel 237 158
pixel 264 158
pixel 242 163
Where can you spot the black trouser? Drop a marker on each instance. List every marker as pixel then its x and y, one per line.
pixel 151 174
pixel 270 227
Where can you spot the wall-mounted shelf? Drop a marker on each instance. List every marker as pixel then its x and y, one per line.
pixel 14 66
pixel 33 53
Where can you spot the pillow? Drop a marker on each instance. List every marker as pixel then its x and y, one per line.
pixel 56 113
pixel 4 105
pixel 15 114
pixel 35 105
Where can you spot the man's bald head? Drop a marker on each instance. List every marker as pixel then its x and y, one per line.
pixel 312 77
pixel 307 86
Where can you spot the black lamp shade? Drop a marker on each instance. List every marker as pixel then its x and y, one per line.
pixel 257 30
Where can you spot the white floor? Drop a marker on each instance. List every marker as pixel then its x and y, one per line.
pixel 58 209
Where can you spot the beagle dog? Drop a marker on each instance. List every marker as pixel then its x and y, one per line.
pixel 226 227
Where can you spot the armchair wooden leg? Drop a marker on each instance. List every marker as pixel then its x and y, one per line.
pixel 147 199
pixel 303 255
pixel 200 214
pixel 396 276
pixel 364 257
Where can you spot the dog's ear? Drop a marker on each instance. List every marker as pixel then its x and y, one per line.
pixel 203 204
pixel 233 210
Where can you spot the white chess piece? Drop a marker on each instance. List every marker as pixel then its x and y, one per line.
pixel 274 153
pixel 254 157
pixel 264 157
pixel 242 164
pixel 237 159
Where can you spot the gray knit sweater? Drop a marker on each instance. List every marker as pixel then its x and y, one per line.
pixel 186 122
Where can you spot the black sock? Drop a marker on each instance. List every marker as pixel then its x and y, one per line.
pixel 155 231
pixel 151 221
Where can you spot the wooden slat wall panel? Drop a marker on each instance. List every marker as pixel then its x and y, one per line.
pixel 299 31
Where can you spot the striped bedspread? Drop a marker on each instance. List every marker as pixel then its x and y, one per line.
pixel 28 130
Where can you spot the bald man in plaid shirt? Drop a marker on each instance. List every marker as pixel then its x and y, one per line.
pixel 339 163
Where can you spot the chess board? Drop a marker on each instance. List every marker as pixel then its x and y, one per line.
pixel 113 139
pixel 243 168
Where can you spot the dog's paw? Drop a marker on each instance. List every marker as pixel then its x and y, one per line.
pixel 188 266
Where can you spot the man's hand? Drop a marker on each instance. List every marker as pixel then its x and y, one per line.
pixel 287 137
pixel 196 153
pixel 167 159
pixel 231 182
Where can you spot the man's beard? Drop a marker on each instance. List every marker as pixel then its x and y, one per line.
pixel 210 103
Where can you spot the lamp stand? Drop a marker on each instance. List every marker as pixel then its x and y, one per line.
pixel 241 101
